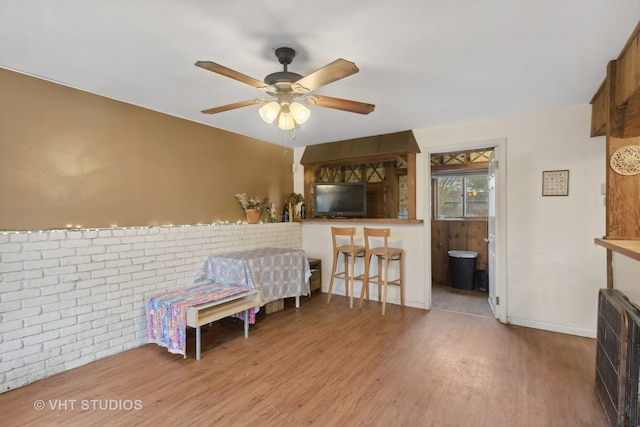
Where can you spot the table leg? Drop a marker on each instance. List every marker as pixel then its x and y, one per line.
pixel 246 323
pixel 198 343
pixel 297 301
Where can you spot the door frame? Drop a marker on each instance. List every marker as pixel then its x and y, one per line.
pixel 500 152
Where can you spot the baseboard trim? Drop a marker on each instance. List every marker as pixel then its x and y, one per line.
pixel 587 333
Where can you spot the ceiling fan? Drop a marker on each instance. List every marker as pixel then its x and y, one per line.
pixel 286 88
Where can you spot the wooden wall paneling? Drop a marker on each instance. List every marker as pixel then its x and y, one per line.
pixel 399 146
pixel 456 235
pixel 310 177
pixel 393 190
pixel 598 111
pixel 628 75
pixel 457 240
pixel 476 233
pixel 623 196
pixel 623 128
pixel 631 124
pixel 439 257
pixel 616 114
pixel 376 200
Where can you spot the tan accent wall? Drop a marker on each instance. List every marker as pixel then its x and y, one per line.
pixel 68 157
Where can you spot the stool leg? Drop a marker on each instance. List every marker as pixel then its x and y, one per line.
pixel 346 274
pixel 386 286
pixel 379 278
pixel 365 279
pixel 333 275
pixel 352 280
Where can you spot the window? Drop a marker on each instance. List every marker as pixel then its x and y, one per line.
pixel 461 195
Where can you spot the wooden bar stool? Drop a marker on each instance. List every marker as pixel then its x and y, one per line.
pixel 349 252
pixel 386 254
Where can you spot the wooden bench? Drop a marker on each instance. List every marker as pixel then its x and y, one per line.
pixel 207 313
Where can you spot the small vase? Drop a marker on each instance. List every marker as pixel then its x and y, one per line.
pixel 253 216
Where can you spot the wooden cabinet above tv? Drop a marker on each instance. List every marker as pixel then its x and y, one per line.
pixel 387 163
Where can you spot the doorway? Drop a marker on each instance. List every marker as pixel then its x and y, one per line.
pixel 471 218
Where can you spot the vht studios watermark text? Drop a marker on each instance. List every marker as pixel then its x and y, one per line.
pixel 88 405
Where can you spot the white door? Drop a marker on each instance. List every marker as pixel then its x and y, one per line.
pixel 491 236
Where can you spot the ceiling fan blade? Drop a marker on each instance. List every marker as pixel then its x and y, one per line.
pixel 340 104
pixel 232 106
pixel 338 69
pixel 228 72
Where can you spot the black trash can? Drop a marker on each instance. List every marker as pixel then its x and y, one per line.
pixel 482 280
pixel 463 269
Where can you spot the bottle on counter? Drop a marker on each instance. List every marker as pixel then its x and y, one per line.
pixel 404 213
pixel 285 213
pixel 303 211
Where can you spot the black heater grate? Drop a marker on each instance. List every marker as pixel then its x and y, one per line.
pixel 618 357
pixel 632 405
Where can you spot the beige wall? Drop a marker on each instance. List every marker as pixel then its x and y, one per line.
pixel 68 157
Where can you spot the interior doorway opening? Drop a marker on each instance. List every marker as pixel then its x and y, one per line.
pixel 461 198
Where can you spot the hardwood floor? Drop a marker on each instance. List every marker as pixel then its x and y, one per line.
pixel 328 365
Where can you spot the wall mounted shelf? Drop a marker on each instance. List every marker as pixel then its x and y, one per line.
pixel 630 248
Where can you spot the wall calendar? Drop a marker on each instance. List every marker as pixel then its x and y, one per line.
pixel 555 183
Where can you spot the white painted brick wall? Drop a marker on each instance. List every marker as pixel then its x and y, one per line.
pixel 69 297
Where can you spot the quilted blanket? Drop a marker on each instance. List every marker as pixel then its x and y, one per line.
pixel 167 313
pixel 278 272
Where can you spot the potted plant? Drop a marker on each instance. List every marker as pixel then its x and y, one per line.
pixel 253 206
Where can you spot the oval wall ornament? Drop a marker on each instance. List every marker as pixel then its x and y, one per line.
pixel 626 160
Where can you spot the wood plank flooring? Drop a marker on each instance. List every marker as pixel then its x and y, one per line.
pixel 328 365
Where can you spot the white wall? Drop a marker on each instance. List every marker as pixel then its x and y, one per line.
pixel 626 276
pixel 316 242
pixel 553 267
pixel 69 297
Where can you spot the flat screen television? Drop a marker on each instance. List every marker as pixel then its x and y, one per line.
pixel 340 199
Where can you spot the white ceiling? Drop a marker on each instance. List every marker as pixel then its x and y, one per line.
pixel 423 63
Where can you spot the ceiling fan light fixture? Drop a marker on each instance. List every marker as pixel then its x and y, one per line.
pixel 286 122
pixel 299 112
pixel 269 112
pixel 285 86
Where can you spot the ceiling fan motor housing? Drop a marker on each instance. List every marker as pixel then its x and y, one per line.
pixel 282 77
pixel 285 56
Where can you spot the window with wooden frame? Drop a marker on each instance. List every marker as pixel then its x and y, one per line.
pixel 460 185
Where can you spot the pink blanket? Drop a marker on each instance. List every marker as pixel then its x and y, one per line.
pixel 167 313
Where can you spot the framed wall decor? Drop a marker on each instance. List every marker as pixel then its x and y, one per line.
pixel 555 183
